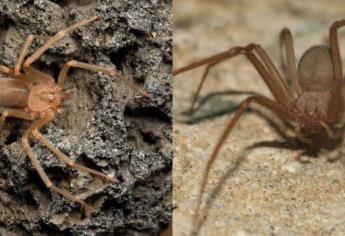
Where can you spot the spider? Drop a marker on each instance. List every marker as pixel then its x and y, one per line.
pixel 30 94
pixel 312 102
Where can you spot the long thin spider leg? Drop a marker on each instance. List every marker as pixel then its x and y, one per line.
pixel 46 118
pixel 336 104
pixel 68 161
pixel 266 69
pixel 24 50
pixel 55 39
pixel 334 44
pixel 17 113
pixel 107 71
pixel 286 42
pixel 211 60
pixel 207 70
pixel 273 71
pixel 272 105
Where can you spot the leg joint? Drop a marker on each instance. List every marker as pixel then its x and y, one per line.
pixel 285 34
pixel 249 100
pixel 30 37
pixel 36 133
pixel 60 34
pixel 4 114
pixel 49 184
pixel 252 46
pixel 110 71
pixel 337 24
pixel 70 163
pixel 28 62
pixel 71 63
pixel 25 142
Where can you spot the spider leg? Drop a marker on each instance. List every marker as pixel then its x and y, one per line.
pixel 334 44
pixel 201 84
pixel 263 101
pixel 265 68
pixel 55 39
pixel 286 42
pixel 46 118
pixel 62 157
pixel 336 103
pixel 24 50
pixel 108 71
pixel 17 113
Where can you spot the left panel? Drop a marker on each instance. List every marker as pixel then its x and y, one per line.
pixel 112 118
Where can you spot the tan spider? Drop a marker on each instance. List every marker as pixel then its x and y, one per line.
pixel 30 94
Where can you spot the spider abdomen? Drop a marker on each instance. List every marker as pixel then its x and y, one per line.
pixel 315 69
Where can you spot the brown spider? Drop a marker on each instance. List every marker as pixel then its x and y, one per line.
pixel 313 104
pixel 34 95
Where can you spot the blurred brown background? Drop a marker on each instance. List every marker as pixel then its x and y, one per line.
pixel 267 192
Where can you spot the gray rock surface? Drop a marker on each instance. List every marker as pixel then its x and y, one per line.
pixel 105 124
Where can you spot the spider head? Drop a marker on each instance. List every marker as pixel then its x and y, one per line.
pixel 310 123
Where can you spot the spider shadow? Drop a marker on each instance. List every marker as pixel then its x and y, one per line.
pixel 290 144
pixel 211 106
pixel 203 215
pixel 214 105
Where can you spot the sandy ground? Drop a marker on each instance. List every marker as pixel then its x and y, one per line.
pixel 263 190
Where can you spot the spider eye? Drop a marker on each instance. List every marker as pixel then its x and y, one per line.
pixel 48 97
